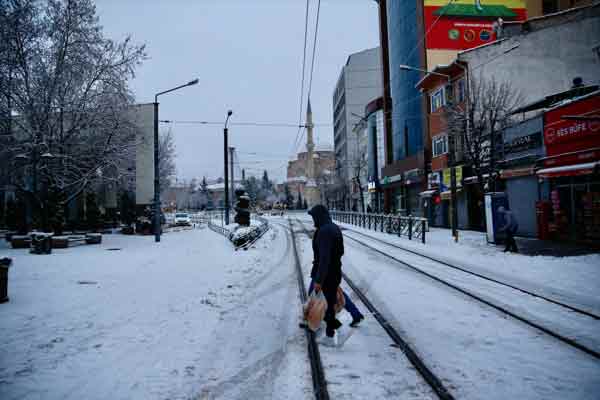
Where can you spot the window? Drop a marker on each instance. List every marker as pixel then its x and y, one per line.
pixel 438 99
pixel 460 89
pixel 440 145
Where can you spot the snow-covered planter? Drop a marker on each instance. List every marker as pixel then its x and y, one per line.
pixel 243 235
pixel 93 238
pixel 41 243
pixel 20 241
pixel 60 242
pixel 127 230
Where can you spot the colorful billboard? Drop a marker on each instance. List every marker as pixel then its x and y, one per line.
pixel 464 24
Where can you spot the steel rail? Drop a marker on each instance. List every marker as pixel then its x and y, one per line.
pixel 467 271
pixel 316 366
pixel 430 377
pixel 504 310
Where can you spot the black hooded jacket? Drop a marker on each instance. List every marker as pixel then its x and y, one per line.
pixel 328 249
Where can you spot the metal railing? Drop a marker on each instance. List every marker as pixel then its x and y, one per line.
pixel 218 229
pixel 410 227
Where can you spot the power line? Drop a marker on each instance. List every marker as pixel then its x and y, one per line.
pixel 220 123
pixel 302 79
pixel 312 66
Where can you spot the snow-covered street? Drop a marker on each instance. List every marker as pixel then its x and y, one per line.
pixel 190 318
pixel 187 318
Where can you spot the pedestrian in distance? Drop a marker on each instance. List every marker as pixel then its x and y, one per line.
pixel 509 228
pixel 326 274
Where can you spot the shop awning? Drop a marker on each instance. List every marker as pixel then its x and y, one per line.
pixel 516 172
pixel 447 195
pixel 569 170
pixel 428 193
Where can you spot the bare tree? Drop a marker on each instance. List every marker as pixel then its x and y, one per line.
pixel 359 162
pixel 475 126
pixel 166 157
pixel 66 97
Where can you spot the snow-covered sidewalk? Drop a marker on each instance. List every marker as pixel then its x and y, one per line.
pixel 185 318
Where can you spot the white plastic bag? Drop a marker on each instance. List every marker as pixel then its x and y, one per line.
pixel 314 310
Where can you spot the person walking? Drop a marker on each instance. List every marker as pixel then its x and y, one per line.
pixel 510 228
pixel 328 249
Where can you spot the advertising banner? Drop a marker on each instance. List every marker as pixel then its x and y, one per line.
pixel 566 135
pixel 464 24
pixel 447 178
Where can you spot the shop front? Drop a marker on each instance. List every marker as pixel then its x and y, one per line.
pixel 394 190
pixel 431 200
pixel 522 147
pixel 571 169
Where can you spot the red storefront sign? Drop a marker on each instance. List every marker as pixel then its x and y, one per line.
pixel 564 137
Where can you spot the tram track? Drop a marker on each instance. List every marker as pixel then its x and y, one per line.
pixel 569 307
pixel 548 331
pixel 418 363
pixel 317 371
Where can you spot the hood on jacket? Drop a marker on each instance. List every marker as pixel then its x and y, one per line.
pixel 320 215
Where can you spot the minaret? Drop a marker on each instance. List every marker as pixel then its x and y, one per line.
pixel 311 191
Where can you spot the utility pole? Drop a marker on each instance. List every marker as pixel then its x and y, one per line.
pixel 226 168
pixel 231 150
pixel 156 172
pixel 156 222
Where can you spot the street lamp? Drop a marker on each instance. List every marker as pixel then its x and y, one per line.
pixel 226 167
pixel 156 178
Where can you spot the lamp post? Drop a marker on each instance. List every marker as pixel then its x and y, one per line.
pixel 156 172
pixel 451 160
pixel 226 167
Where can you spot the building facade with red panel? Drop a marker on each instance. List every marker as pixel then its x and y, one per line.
pixel 571 169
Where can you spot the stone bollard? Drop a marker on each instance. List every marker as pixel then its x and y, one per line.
pixel 4 266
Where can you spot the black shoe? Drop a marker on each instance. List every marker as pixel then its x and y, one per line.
pixel 356 321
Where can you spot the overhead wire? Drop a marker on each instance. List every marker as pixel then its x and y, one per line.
pixel 302 78
pixel 257 124
pixel 312 66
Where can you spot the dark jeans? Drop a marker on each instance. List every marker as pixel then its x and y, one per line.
pixel 511 244
pixel 349 305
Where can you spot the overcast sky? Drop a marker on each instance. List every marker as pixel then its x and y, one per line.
pixel 247 55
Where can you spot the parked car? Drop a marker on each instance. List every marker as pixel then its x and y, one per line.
pixel 182 219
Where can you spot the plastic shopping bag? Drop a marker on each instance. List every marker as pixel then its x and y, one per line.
pixel 340 301
pixel 314 310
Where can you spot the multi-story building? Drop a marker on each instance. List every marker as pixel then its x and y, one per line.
pixel 421 35
pixel 358 84
pixel 545 79
pixel 375 152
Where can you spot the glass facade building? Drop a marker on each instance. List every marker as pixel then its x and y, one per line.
pixel 405 48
